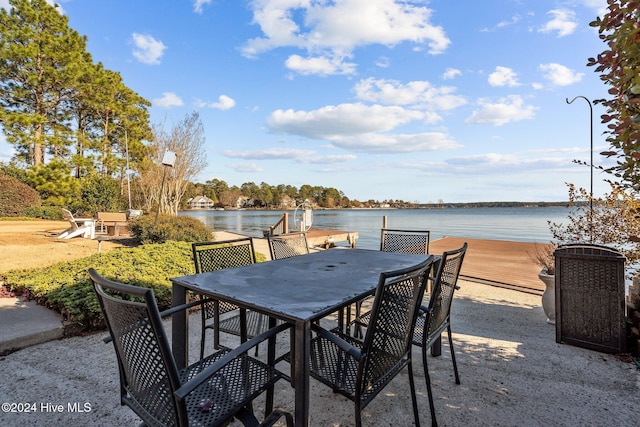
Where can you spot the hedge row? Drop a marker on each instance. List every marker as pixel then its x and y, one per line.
pixel 16 197
pixel 66 287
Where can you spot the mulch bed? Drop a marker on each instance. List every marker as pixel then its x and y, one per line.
pixel 6 293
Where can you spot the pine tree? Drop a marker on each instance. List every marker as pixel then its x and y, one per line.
pixel 40 61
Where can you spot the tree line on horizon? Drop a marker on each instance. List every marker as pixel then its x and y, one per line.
pixel 281 196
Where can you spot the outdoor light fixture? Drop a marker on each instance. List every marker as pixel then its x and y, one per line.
pixel 169 160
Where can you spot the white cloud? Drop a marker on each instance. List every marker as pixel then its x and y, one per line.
pixel 168 100
pixel 147 49
pixel 383 62
pixel 502 24
pixel 344 119
pixel 506 110
pixel 319 65
pixel 417 93
pixel 564 22
pixel 198 4
pixel 359 127
pixel 514 20
pixel 559 75
pixel 334 29
pixel 246 167
pixel 300 156
pixel 451 73
pixel 396 143
pixel 599 6
pixel 503 76
pixel 224 103
pixel 505 163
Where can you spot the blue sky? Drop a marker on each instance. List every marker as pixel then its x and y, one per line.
pixel 381 99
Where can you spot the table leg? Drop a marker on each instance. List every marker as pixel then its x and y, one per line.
pixel 271 357
pixel 436 348
pixel 180 327
pixel 302 347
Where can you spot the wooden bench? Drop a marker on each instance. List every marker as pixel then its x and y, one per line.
pixel 115 222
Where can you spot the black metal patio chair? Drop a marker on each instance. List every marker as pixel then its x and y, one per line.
pixel 288 245
pixel 210 392
pixel 405 241
pixel 435 318
pixel 361 369
pixel 402 241
pixel 212 256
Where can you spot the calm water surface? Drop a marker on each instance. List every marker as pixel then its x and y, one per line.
pixel 518 224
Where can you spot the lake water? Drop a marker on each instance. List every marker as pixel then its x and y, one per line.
pixel 517 224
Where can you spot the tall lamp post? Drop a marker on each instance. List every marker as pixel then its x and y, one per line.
pixel 591 165
pixel 128 172
pixel 168 160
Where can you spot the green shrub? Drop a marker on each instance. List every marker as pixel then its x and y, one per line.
pixel 16 197
pixel 45 212
pixel 179 228
pixel 56 185
pixel 101 194
pixel 66 288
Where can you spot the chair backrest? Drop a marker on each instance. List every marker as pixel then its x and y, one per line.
pixel 405 241
pixel 445 284
pixel 148 373
pixel 288 245
pixel 387 341
pixel 211 256
pixel 68 216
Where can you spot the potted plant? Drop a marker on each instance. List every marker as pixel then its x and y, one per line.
pixel 543 256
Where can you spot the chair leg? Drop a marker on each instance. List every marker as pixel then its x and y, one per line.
pixel 358 410
pixel 432 408
pixel 216 329
pixel 203 333
pixel 357 328
pixel 453 355
pixel 414 400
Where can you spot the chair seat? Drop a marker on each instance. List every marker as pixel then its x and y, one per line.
pixel 238 383
pixel 434 335
pixel 364 320
pixel 257 323
pixel 331 366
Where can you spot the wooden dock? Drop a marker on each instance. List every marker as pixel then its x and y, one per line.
pixel 327 238
pixel 496 262
pixel 493 262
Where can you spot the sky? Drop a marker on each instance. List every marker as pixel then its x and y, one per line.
pixel 423 101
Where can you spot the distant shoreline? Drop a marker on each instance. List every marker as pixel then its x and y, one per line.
pixel 464 205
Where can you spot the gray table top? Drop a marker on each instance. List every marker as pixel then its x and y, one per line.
pixel 301 288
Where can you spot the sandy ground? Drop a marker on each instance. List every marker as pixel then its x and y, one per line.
pixel 513 373
pixel 30 244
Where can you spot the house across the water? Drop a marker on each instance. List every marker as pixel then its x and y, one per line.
pixel 201 202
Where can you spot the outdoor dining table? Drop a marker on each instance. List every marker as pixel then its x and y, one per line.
pixel 299 290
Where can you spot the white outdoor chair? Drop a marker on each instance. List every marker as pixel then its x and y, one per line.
pixel 79 226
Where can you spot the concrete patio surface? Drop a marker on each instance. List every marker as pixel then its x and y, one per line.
pixel 512 372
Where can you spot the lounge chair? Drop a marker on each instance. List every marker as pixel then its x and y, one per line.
pixel 78 226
